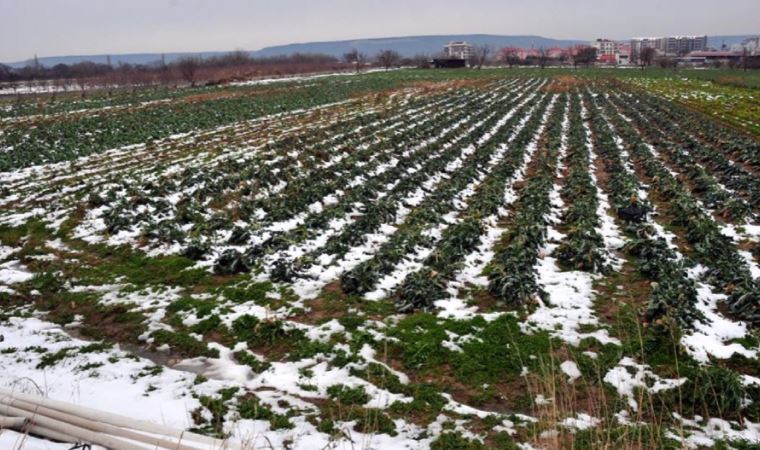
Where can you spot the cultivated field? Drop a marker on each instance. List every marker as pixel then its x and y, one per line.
pixel 412 259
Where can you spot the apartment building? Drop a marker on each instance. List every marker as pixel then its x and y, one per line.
pixel 670 45
pixel 612 52
pixel 457 50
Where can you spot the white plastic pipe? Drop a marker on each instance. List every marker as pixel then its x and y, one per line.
pixel 12 422
pixel 153 441
pixel 81 434
pixel 47 433
pixel 121 421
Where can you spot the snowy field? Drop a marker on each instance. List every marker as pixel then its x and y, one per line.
pixel 444 265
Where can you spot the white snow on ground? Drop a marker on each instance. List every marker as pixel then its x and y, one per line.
pixel 704 433
pixel 476 261
pixel 12 440
pixel 610 232
pixel 119 383
pixel 570 369
pixel 328 269
pixel 570 304
pixel 13 272
pixel 6 251
pixel 627 376
pixel 709 338
pixel 581 422
pixel 114 382
pixel 414 261
pixel 570 293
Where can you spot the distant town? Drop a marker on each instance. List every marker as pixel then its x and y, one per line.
pixel 664 51
pixel 100 72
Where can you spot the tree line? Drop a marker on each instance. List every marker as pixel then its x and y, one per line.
pixel 188 70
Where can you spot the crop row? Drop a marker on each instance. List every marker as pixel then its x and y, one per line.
pixel 512 276
pixel 583 247
pixel 67 139
pixel 421 178
pixel 432 211
pixel 713 153
pixel 728 270
pixel 196 186
pixel 673 295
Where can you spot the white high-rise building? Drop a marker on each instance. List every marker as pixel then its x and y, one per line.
pixel 670 45
pixel 458 50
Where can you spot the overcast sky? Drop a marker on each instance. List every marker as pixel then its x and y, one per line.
pixel 71 27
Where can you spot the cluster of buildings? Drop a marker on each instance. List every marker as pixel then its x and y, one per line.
pixel 626 52
pixel 692 50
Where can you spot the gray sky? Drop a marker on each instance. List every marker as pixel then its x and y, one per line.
pixel 69 27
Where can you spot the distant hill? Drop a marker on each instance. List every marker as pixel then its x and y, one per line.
pixel 412 45
pixel 127 58
pixel 406 46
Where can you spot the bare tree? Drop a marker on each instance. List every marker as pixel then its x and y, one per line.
pixel 510 56
pixel 188 68
pixel 585 56
pixel 388 58
pixel 666 62
pixel 421 61
pixel 646 57
pixel 543 57
pixel 634 58
pixel 479 55
pixel 356 58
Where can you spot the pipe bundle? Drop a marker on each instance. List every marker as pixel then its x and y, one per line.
pixel 61 421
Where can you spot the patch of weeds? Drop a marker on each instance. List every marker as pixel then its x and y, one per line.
pixel 213 323
pixel 737 444
pixel 13 236
pixel 714 391
pixel 46 282
pixel 503 441
pixel 499 348
pixel 256 365
pixel 308 387
pixel 36 349
pixel 455 441
pixel 326 426
pixel 51 359
pixel 351 323
pixel 273 336
pixel 250 407
pixel 380 376
pixel 420 341
pixel 374 421
pixel 248 291
pixel 89 366
pixel 483 395
pixel 257 332
pixel 348 395
pixel 97 347
pixel 343 358
pixel 184 344
pixel 218 408
pixel 140 269
pixel 306 348
pixel 115 321
pixel 201 308
pixel 633 436
pixel 148 371
pixel 424 407
pixel 199 379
